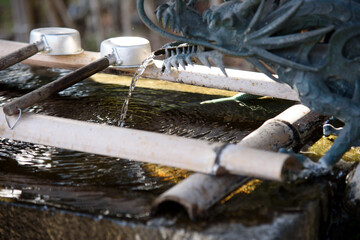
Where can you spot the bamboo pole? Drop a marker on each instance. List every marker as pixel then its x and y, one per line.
pixel 237 80
pixel 199 192
pixel 192 154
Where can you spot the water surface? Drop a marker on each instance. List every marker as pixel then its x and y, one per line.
pixel 50 176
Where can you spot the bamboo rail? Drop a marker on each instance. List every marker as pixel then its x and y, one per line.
pixel 237 80
pixel 191 154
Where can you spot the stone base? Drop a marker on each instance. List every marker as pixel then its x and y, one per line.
pixel 273 211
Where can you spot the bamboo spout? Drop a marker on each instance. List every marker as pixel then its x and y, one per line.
pixel 199 192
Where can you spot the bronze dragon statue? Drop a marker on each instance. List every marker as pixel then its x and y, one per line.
pixel 311 45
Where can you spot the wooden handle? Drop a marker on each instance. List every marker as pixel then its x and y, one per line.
pixel 18 56
pixel 56 86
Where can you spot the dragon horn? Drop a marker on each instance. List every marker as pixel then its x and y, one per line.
pixel 256 17
pixel 276 24
pixel 290 40
pixel 248 4
pixel 261 67
pixel 281 61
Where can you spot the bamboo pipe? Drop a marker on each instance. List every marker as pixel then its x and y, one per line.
pixel 199 192
pixel 237 80
pixel 191 154
pixel 288 128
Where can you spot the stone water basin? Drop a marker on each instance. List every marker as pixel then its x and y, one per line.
pixel 51 193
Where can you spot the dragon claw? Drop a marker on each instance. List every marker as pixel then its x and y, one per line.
pixel 207 16
pixel 158 15
pixel 204 60
pixel 166 14
pixel 185 30
pixel 189 60
pixel 329 129
pixel 175 63
pixel 167 65
pixel 165 21
pixel 310 168
pixel 182 63
pixel 184 55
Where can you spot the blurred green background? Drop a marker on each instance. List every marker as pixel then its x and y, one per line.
pixel 96 20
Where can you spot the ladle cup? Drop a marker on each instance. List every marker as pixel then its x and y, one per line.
pixel 50 41
pixel 125 52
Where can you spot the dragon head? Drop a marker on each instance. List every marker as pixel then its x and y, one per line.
pixel 223 25
pixel 312 45
pixel 256 29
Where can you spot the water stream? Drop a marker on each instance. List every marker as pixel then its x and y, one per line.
pixel 134 79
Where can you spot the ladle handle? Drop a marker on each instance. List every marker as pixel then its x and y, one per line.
pixel 18 56
pixel 56 86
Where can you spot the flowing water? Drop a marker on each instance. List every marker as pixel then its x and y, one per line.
pixel 134 79
pixel 49 176
pixel 45 177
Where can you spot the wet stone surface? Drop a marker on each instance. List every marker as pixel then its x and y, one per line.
pixel 272 211
pixel 51 193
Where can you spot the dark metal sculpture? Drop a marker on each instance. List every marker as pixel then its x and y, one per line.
pixel 311 45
